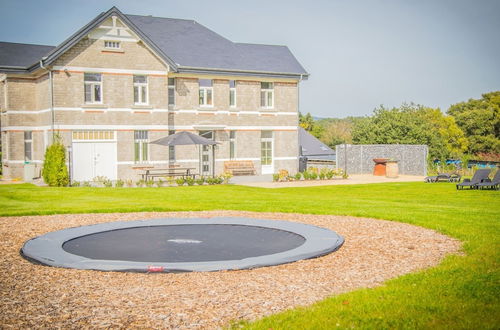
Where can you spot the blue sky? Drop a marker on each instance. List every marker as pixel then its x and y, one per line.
pixel 360 54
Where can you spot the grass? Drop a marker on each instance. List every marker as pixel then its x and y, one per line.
pixel 462 292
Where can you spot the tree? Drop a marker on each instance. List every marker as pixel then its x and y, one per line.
pixel 412 124
pixel 307 122
pixel 480 121
pixel 55 172
pixel 336 131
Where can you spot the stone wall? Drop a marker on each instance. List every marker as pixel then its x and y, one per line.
pixel 412 159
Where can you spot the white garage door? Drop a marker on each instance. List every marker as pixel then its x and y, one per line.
pixel 94 158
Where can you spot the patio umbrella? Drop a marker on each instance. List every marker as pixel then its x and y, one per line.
pixel 184 138
pixel 187 138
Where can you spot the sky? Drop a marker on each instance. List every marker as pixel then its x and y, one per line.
pixel 360 54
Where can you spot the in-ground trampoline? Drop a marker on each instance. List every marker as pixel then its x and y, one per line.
pixel 181 245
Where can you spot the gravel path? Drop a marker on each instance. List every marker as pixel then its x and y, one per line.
pixel 38 296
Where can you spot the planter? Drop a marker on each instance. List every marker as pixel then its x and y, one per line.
pixel 392 169
pixel 380 166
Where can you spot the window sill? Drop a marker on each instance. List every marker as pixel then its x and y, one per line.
pixel 142 106
pixel 110 50
pixel 206 106
pixel 94 106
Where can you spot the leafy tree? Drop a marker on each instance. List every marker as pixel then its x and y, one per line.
pixel 480 121
pixel 308 123
pixel 336 131
pixel 412 124
pixel 55 172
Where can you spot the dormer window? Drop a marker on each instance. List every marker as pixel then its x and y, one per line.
pixel 112 44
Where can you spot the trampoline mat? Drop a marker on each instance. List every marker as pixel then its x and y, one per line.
pixel 184 243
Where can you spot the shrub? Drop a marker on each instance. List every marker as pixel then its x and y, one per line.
pixel 149 183
pixel 107 183
pixel 170 180
pixel 226 176
pixel 160 183
pixel 200 181
pixel 87 184
pixel 129 183
pixel 75 184
pixel 180 181
pixel 119 183
pixel 219 180
pixel 189 181
pixel 298 176
pixel 140 183
pixel 211 181
pixel 276 177
pixel 306 175
pixel 283 175
pixel 329 174
pixel 55 172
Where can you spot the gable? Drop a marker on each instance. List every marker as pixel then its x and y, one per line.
pixel 129 52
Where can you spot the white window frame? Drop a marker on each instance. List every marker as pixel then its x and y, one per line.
pixel 232 142
pixel 140 87
pixel 203 94
pixel 92 85
pixel 232 90
pixel 267 92
pixel 171 88
pixel 142 142
pixel 110 44
pixel 30 141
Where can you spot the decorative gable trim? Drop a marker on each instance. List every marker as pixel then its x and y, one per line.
pixel 96 23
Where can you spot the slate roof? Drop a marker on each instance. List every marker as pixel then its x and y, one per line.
pixel 311 146
pixel 192 45
pixel 21 55
pixel 185 45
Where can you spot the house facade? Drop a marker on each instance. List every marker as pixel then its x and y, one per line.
pixel 123 81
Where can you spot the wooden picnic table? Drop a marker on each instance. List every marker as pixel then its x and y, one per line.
pixel 166 172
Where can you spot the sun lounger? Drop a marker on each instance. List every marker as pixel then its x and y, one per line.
pixel 490 184
pixel 478 177
pixel 446 177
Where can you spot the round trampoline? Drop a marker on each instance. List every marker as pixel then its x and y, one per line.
pixel 181 245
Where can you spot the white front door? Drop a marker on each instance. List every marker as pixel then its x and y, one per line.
pixel 93 159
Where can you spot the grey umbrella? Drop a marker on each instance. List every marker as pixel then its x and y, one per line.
pixel 184 138
pixel 187 138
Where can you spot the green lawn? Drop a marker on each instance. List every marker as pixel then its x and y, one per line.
pixel 462 292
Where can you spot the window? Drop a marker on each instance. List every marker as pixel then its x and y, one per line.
pixel 171 149
pixel 232 144
pixel 93 135
pixel 266 147
pixel 140 90
pixel 140 146
pixel 232 93
pixel 28 145
pixel 112 44
pixel 93 87
pixel 171 91
pixel 266 94
pixel 206 92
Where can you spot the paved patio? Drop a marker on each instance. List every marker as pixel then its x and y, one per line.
pixel 265 181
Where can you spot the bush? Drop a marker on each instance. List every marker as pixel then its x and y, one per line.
pixel 55 172
pixel 75 184
pixel 298 176
pixel 119 183
pixel 107 183
pixel 160 183
pixel 200 181
pixel 129 183
pixel 180 181
pixel 276 177
pixel 170 180
pixel 189 181
pixel 140 183
pixel 149 183
pixel 226 176
pixel 283 175
pixel 329 174
pixel 87 184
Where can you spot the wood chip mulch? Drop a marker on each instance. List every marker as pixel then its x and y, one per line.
pixel 35 296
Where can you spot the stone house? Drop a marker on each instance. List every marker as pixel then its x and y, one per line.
pixel 123 81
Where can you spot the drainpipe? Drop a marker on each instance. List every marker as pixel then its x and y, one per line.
pixel 51 96
pixel 298 135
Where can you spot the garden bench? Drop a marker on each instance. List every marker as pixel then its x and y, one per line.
pixel 239 167
pixel 168 172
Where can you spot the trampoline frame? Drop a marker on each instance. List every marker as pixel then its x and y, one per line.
pixel 47 249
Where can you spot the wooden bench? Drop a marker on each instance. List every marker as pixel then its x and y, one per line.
pixel 239 167
pixel 168 172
